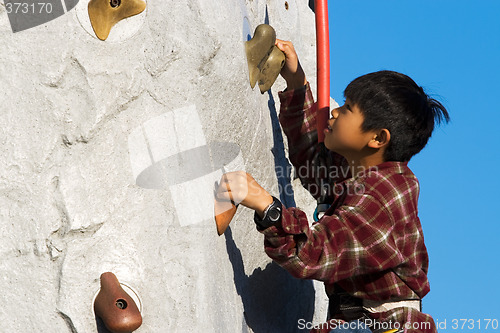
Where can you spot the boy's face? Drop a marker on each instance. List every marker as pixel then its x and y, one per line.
pixel 344 134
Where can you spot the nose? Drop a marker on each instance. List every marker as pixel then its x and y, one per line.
pixel 335 113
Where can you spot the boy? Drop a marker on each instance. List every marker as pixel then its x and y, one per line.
pixel 368 248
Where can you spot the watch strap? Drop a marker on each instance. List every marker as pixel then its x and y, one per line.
pixel 275 209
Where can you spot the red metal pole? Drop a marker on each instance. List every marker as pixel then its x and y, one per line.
pixel 323 66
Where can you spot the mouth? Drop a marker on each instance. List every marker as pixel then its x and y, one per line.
pixel 328 129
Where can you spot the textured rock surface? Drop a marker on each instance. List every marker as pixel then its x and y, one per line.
pixel 70 204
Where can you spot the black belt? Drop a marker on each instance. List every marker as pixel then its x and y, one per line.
pixel 346 307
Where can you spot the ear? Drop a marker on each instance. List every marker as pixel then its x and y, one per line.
pixel 380 139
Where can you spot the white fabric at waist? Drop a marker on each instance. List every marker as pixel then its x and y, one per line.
pixel 377 306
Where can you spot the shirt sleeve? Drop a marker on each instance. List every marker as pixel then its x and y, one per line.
pixel 355 240
pixel 298 121
pixel 298 116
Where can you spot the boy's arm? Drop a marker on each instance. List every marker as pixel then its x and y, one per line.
pixel 356 239
pixel 353 241
pixel 298 120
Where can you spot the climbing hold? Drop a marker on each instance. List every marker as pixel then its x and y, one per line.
pixel 115 307
pixel 264 58
pixel 271 69
pixel 104 14
pixel 224 212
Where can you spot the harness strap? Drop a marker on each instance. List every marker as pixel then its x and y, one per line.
pixel 376 306
pixel 344 306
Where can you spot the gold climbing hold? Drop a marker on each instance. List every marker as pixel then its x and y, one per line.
pixel 104 14
pixel 265 59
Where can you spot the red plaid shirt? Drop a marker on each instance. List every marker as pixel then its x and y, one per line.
pixel 370 241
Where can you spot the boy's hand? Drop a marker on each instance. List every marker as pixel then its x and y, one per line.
pixel 292 71
pixel 240 187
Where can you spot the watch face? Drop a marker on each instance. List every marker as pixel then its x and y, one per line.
pixel 274 213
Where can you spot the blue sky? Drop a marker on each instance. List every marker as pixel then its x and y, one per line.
pixel 452 49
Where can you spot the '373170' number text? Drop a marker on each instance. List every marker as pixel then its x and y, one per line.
pixel 28 8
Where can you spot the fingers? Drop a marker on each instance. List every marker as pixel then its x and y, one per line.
pixel 292 71
pixel 223 191
pixel 240 188
pixel 291 56
pixel 233 186
pixel 285 46
pixel 225 196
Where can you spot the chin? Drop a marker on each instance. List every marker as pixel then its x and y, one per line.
pixel 333 149
pixel 329 146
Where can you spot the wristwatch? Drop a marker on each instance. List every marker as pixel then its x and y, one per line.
pixel 272 215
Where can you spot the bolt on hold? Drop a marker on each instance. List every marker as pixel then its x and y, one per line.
pixel 115 307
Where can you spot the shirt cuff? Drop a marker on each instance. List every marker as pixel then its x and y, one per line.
pixel 295 100
pixel 293 222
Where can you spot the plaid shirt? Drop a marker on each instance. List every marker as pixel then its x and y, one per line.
pixel 370 241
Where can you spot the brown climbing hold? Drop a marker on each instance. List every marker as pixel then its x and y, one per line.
pixel 104 14
pixel 265 60
pixel 224 212
pixel 115 307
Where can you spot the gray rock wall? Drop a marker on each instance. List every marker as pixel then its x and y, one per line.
pixel 94 174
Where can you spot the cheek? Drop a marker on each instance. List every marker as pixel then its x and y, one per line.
pixel 338 125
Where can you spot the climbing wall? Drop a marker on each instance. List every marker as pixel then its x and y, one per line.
pixel 109 152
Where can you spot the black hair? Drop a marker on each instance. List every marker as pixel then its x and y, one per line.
pixel 394 101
